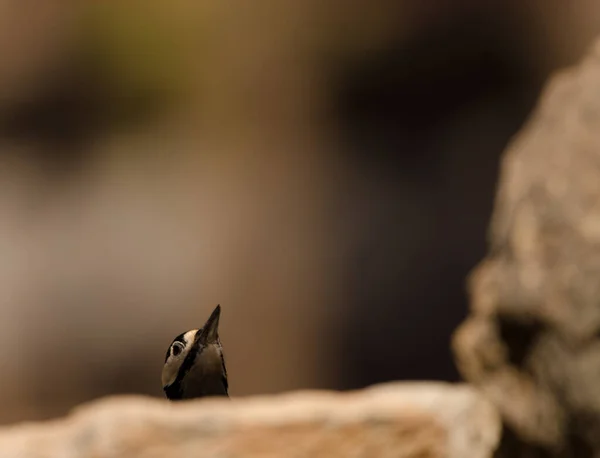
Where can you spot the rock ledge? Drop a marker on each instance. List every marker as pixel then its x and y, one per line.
pixel 424 420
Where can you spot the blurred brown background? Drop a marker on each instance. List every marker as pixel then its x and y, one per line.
pixel 323 170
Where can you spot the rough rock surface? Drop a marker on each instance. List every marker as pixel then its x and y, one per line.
pixel 400 420
pixel 531 342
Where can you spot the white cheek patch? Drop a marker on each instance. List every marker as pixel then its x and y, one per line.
pixel 169 373
pixel 171 367
pixel 188 338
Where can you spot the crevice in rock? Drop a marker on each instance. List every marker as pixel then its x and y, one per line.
pixel 511 446
pixel 519 335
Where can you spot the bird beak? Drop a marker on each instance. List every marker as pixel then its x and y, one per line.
pixel 210 330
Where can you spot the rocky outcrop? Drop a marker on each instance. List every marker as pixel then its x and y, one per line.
pixel 413 420
pixel 531 342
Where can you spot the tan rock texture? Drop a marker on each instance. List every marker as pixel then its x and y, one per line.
pixel 400 420
pixel 531 342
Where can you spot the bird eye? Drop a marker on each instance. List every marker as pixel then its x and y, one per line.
pixel 177 349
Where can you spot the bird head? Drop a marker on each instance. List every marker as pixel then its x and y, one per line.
pixel 194 363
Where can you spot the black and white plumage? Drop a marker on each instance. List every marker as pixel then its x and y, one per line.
pixel 194 363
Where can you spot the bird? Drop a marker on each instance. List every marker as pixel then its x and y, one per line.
pixel 194 364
